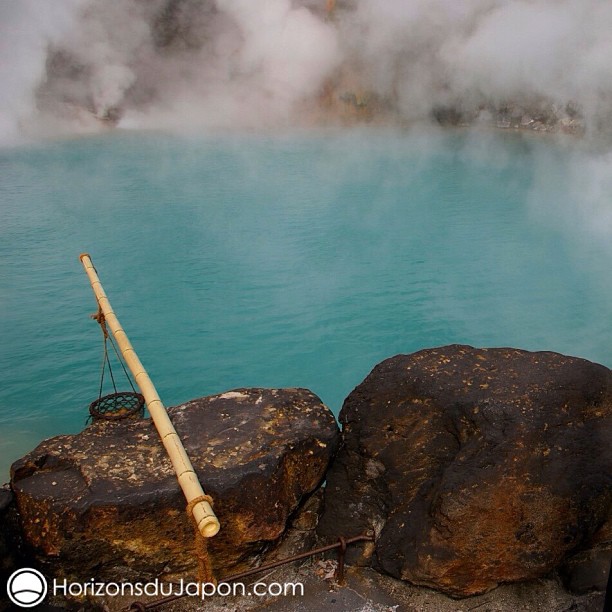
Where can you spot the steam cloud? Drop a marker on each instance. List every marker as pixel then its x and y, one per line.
pixel 75 65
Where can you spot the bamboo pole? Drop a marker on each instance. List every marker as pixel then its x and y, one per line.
pixel 204 516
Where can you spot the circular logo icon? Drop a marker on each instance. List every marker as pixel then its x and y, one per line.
pixel 26 587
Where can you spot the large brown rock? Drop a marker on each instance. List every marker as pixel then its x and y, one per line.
pixel 474 467
pixel 105 502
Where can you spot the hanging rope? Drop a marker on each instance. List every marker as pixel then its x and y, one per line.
pixel 205 571
pixel 117 405
pixel 99 317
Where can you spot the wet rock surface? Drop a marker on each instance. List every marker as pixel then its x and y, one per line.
pixel 9 558
pixel 588 570
pixel 539 116
pixel 106 503
pixel 474 467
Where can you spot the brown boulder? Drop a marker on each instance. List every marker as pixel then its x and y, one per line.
pixel 105 502
pixel 474 466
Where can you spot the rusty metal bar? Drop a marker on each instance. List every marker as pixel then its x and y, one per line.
pixel 341 544
pixel 341 555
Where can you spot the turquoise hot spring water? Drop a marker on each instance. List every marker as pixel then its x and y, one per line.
pixel 290 259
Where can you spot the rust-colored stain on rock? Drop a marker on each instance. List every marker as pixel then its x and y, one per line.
pixel 106 503
pixel 494 465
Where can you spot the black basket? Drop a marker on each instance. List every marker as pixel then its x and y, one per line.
pixel 117 406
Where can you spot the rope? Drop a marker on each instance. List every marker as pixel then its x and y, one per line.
pixel 104 360
pixel 119 358
pixel 205 572
pixel 110 369
pixel 101 319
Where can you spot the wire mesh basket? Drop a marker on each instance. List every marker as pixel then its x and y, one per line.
pixel 117 406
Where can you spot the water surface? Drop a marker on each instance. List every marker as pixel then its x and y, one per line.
pixel 281 260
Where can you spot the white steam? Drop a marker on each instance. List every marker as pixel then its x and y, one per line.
pixel 288 50
pixel 26 28
pixel 86 64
